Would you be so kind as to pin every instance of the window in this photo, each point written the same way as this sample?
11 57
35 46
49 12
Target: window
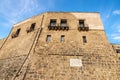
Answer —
48 39
118 51
15 34
84 39
81 23
62 38
53 22
18 31
32 26
63 23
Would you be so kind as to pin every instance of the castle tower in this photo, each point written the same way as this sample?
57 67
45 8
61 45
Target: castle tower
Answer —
59 46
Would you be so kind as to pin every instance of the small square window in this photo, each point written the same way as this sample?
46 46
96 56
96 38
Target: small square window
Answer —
118 51
63 22
62 38
48 39
84 39
53 22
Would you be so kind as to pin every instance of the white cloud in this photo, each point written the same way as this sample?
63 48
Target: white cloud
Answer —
116 12
115 36
115 27
119 30
17 10
13 11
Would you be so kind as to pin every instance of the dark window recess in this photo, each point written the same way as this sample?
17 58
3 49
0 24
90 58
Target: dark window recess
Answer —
81 23
18 31
15 34
55 26
82 26
32 27
62 38
84 39
48 39
119 58
63 23
53 22
118 51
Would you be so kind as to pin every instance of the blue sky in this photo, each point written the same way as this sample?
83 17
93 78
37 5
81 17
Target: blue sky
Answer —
13 11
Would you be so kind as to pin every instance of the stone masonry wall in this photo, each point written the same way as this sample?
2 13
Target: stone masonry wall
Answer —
2 41
15 50
53 60
10 66
21 44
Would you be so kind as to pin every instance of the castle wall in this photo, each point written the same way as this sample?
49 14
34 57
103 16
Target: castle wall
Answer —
93 20
55 60
15 50
20 45
10 66
2 41
52 60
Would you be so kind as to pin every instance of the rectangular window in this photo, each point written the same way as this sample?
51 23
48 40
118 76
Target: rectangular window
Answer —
63 23
62 38
118 51
53 22
32 26
84 39
48 39
81 23
18 31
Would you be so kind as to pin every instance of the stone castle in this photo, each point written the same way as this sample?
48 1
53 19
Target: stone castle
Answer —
59 46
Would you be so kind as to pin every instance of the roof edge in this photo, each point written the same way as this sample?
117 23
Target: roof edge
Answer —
53 12
69 12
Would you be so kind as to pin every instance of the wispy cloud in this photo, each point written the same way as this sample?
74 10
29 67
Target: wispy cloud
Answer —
114 33
116 27
116 12
119 30
115 37
15 11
